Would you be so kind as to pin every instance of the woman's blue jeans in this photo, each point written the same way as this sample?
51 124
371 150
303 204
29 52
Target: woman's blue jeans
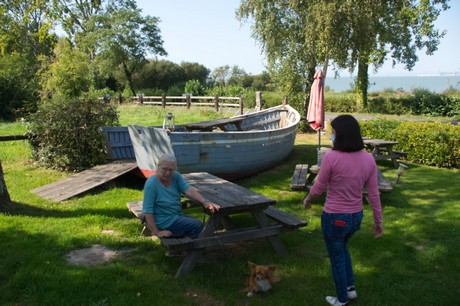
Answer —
185 225
337 230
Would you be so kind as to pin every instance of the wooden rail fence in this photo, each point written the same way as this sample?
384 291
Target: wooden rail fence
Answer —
12 137
189 100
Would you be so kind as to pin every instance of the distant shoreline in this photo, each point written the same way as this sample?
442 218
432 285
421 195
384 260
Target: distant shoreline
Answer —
438 83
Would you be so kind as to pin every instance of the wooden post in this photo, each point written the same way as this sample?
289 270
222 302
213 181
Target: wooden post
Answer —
285 101
4 195
216 102
120 98
141 98
241 105
258 101
188 100
163 100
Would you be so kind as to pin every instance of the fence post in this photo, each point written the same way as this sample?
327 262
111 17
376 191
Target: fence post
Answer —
120 98
285 101
141 98
163 100
241 105
258 101
187 99
216 102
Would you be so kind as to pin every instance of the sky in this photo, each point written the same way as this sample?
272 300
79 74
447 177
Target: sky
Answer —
207 32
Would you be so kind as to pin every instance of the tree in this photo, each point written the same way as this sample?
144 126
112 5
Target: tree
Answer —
221 75
68 74
289 33
195 71
378 30
114 34
159 74
297 36
25 38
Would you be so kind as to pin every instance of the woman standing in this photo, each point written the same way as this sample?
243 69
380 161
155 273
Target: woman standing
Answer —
344 172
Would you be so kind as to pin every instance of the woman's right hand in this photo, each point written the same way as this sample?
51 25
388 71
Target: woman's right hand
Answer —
163 234
306 202
377 228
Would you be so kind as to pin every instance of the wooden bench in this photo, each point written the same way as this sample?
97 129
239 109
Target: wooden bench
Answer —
401 154
289 221
303 177
174 244
299 177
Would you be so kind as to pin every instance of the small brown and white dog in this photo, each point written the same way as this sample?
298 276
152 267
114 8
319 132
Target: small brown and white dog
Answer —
261 278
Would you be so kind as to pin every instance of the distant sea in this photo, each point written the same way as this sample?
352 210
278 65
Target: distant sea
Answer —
407 83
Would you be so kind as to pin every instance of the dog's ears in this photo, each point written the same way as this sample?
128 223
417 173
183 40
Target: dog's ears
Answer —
251 265
272 267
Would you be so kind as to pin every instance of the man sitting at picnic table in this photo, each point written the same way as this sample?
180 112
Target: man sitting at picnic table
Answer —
162 207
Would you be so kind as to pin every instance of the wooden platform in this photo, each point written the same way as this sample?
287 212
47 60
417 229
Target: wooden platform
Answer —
85 180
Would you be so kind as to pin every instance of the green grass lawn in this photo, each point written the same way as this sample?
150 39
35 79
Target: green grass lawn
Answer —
416 262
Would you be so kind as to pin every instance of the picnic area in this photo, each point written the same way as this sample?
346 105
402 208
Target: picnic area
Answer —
42 239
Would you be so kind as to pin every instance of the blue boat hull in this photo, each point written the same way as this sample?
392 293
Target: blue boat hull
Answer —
263 140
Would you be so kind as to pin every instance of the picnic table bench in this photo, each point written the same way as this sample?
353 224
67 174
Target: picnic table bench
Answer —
233 199
303 177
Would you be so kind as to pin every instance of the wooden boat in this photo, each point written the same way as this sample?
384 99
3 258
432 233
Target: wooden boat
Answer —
230 148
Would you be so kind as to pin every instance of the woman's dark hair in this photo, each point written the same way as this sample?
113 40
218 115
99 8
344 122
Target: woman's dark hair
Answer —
347 134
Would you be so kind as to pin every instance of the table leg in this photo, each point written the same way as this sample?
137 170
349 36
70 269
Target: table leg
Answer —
393 159
195 255
274 240
189 262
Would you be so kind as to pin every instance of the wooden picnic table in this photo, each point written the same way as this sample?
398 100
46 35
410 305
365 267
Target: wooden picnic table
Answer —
383 149
233 199
304 176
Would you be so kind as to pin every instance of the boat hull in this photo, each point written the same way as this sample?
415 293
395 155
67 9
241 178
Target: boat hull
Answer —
265 141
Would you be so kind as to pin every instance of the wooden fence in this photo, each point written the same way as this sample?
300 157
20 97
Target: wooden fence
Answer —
189 100
13 137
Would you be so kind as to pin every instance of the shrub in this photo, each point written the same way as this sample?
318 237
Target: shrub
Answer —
340 102
428 143
193 87
64 132
379 128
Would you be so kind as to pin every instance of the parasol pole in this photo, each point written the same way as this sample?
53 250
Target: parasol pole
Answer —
319 139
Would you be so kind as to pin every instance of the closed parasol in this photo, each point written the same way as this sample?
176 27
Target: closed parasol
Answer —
315 115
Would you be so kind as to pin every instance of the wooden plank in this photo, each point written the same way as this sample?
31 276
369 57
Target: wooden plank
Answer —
13 137
383 184
136 209
299 177
85 180
288 220
210 124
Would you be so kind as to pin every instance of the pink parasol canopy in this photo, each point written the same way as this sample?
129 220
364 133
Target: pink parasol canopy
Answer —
315 115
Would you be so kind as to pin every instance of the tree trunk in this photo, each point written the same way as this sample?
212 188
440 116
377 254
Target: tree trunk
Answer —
4 195
362 83
129 78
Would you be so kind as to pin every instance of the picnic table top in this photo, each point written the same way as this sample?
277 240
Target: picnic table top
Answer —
230 196
379 142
